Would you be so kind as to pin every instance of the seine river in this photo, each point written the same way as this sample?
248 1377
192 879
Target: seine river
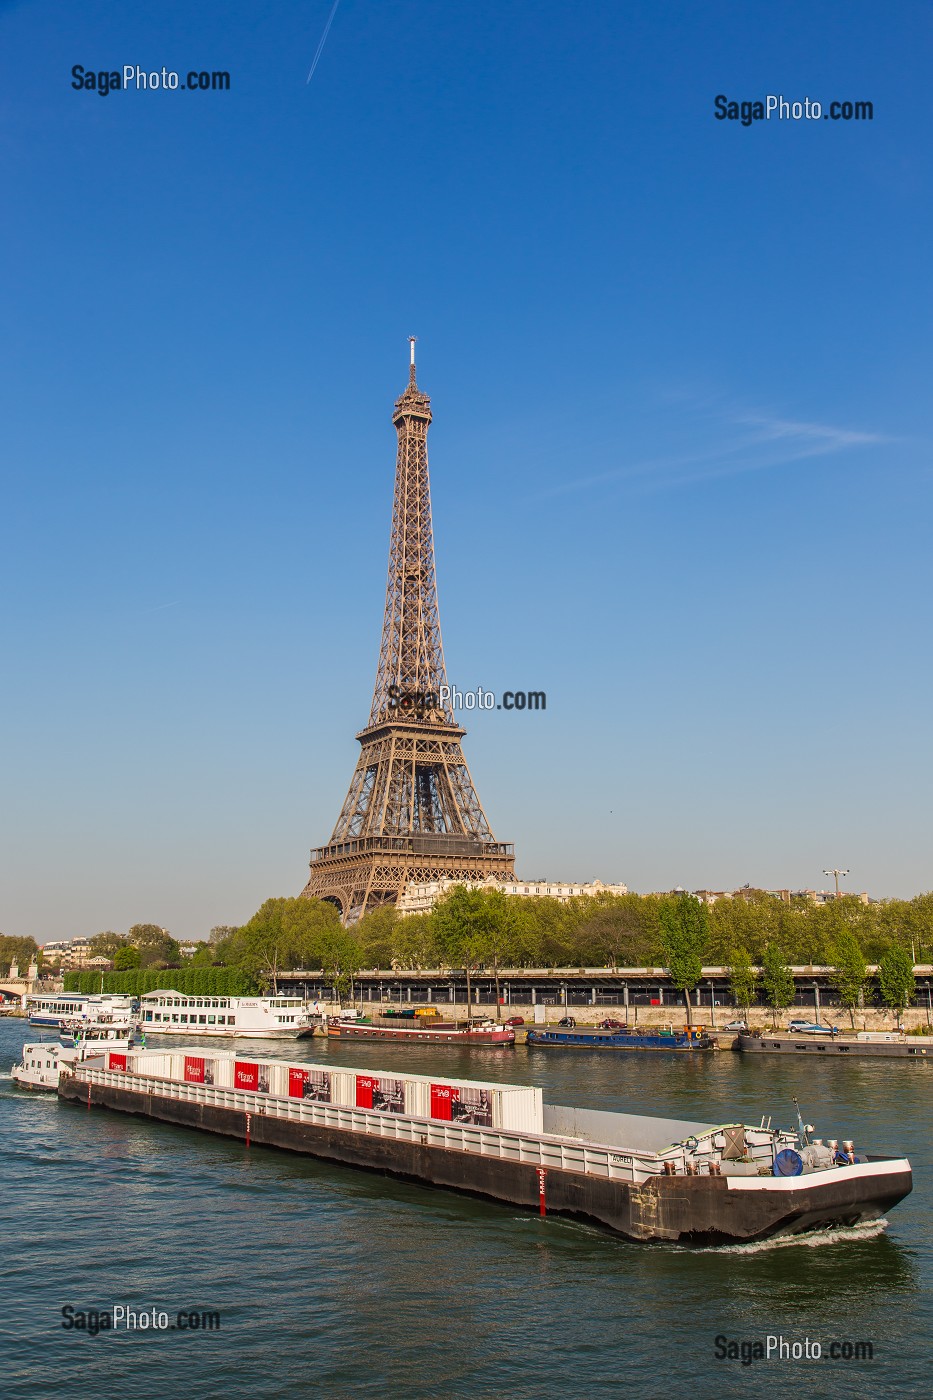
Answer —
336 1282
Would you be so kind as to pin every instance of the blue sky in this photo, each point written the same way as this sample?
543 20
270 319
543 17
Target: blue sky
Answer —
680 373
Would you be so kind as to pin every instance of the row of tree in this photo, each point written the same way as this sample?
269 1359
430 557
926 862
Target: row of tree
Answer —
191 981
485 929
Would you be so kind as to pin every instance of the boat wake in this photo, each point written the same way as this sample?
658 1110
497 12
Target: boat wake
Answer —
836 1234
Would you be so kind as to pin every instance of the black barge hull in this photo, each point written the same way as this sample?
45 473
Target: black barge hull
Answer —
702 1210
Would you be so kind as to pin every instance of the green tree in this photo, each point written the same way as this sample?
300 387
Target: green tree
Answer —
107 945
851 971
282 935
21 951
472 927
375 933
743 980
414 944
219 932
204 955
896 979
777 978
684 938
341 959
157 947
611 931
125 959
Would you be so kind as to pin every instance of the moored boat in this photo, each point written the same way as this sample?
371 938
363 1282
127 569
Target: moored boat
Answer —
643 1178
619 1038
872 1044
167 1012
52 1008
423 1030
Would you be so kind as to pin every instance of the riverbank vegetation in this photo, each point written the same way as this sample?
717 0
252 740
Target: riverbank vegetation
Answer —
486 930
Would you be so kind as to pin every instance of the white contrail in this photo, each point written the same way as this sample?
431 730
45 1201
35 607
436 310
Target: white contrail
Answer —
320 47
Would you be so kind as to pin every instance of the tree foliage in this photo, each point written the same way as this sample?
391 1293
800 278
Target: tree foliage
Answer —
684 938
21 951
157 947
896 978
851 971
201 981
777 978
743 980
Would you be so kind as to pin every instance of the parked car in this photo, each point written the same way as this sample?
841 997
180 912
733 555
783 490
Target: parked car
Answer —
735 1026
609 1025
566 1021
515 1021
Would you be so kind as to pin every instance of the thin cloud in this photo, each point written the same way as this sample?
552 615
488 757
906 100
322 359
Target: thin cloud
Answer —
747 442
819 436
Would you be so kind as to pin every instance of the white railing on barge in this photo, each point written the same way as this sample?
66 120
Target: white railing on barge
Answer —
537 1150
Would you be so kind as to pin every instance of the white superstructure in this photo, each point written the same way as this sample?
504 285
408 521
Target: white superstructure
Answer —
43 1060
167 1012
52 1008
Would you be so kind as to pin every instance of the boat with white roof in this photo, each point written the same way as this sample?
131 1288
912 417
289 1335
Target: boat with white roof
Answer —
52 1008
167 1012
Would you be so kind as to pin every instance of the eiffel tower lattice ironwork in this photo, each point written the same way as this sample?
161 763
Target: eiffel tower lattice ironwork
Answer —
412 812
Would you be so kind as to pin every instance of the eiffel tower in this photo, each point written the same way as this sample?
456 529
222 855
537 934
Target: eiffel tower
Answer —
412 812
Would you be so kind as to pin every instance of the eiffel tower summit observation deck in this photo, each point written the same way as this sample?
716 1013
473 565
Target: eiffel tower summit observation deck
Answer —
412 812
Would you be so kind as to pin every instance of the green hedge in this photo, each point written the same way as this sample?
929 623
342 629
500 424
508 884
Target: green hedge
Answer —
193 981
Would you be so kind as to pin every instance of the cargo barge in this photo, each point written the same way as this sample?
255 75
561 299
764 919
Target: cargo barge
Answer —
875 1044
401 1030
592 1038
647 1179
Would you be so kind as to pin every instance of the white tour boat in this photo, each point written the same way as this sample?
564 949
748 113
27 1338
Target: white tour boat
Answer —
167 1012
52 1008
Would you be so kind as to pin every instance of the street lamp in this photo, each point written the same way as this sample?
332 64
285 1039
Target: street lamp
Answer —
836 875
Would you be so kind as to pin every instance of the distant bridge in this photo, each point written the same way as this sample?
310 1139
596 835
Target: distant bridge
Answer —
26 986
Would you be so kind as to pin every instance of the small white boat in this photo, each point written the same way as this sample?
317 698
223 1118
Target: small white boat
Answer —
39 1066
43 1060
106 1031
167 1012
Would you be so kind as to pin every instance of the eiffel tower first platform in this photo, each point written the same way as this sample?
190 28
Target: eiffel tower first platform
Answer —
412 812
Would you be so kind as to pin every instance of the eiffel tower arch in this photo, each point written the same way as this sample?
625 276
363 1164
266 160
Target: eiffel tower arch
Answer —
411 812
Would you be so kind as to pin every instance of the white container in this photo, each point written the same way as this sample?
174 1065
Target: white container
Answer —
511 1107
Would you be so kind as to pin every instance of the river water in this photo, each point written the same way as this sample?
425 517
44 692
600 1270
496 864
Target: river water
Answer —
340 1282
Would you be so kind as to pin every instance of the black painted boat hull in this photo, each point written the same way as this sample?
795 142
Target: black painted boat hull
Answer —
702 1210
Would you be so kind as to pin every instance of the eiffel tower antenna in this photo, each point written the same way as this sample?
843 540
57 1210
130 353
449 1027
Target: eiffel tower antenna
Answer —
412 812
